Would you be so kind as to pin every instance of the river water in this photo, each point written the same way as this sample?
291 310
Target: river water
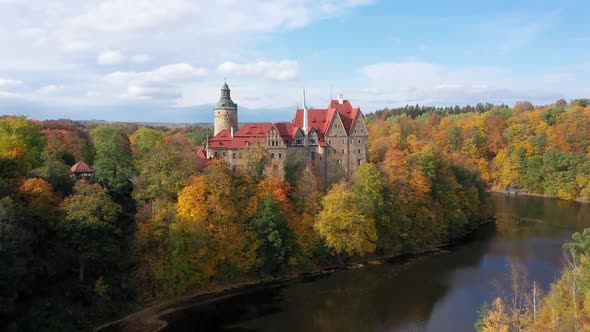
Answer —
439 292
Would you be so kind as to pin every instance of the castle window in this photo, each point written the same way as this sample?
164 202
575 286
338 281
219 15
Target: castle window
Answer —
342 151
359 141
233 155
272 155
358 161
359 151
280 155
224 153
342 141
240 155
215 154
329 141
339 161
320 157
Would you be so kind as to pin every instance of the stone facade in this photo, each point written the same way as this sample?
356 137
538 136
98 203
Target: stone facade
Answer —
332 142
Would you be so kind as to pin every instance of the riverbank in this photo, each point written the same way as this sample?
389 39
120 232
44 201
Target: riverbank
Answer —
522 192
150 319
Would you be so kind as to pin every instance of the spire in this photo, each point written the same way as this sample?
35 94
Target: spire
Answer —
305 117
225 101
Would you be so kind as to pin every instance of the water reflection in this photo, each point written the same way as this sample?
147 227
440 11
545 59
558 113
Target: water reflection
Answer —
435 293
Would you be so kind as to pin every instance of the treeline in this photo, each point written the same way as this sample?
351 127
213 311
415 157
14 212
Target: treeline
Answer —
414 111
541 150
66 246
565 307
157 221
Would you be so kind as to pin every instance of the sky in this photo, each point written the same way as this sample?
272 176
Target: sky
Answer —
165 60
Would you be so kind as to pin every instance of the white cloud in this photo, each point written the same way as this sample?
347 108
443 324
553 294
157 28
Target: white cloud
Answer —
48 90
163 83
122 16
192 35
7 83
111 58
141 58
274 70
163 74
411 82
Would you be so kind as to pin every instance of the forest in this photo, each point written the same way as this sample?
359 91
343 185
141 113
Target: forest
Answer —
538 150
157 222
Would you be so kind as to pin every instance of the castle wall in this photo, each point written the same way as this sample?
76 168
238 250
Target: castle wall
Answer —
359 139
337 152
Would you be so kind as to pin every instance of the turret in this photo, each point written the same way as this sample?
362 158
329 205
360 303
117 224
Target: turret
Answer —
226 112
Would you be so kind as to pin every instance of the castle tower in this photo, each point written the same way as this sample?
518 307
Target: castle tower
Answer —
226 112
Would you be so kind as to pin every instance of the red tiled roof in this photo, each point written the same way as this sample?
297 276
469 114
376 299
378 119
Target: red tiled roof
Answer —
346 111
260 129
202 152
286 129
81 167
318 119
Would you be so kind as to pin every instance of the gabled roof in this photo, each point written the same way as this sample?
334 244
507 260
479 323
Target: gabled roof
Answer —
256 129
318 120
81 167
286 129
347 113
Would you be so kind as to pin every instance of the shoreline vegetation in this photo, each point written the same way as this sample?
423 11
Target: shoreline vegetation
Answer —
150 318
565 306
157 222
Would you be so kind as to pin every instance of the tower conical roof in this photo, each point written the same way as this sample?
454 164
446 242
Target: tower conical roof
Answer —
225 102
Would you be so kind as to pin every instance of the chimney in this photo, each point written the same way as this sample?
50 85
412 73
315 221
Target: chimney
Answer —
340 99
232 131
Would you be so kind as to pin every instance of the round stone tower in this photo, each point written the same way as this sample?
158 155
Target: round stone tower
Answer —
226 112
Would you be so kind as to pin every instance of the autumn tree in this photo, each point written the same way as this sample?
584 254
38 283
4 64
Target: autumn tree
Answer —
343 226
113 164
371 199
207 241
21 139
275 236
90 215
162 168
309 249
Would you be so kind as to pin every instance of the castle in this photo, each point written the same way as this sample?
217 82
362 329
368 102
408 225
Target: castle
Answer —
331 141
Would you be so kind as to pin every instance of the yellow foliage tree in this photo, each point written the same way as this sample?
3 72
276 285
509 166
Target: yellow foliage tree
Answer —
342 225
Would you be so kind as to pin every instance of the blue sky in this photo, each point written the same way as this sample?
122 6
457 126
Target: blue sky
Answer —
165 60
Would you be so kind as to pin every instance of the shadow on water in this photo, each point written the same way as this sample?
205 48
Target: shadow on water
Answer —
398 292
437 292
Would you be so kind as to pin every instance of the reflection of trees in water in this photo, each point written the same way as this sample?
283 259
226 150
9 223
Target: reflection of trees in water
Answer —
220 315
522 217
386 297
398 296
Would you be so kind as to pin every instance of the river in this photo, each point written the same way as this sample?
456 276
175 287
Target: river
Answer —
438 292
